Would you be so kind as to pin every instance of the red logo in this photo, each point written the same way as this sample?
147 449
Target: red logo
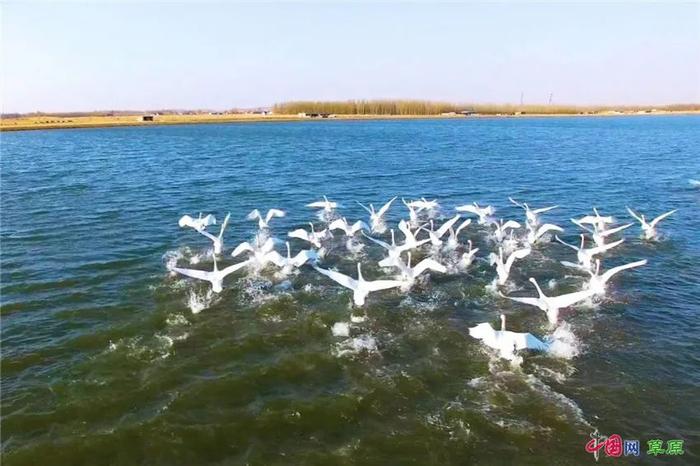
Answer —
612 445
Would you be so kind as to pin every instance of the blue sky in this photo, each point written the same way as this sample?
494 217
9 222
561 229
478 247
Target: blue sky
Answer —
139 55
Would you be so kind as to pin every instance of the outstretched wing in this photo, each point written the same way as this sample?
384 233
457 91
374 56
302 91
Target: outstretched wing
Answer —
254 215
342 279
186 221
357 226
339 224
612 231
544 209
528 341
245 246
463 225
378 285
469 208
369 211
300 234
519 254
661 217
569 299
548 227
444 228
605 247
232 268
635 215
530 301
194 273
224 225
381 243
609 273
426 264
304 256
510 224
276 258
208 220
513 201
385 207
575 248
274 213
580 225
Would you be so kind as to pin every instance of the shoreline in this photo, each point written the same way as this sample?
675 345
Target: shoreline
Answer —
50 122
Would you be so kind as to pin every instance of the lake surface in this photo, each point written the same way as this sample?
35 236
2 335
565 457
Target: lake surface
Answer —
104 362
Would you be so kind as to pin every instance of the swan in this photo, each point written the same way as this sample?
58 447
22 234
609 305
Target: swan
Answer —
596 220
649 228
360 287
261 254
502 229
552 304
198 224
531 215
215 277
424 204
217 241
412 212
597 282
263 223
314 237
376 216
410 237
482 212
435 235
503 268
468 257
535 233
598 234
585 256
350 230
325 204
453 239
506 342
287 264
409 274
394 250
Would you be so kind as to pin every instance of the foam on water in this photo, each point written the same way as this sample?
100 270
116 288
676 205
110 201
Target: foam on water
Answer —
563 343
197 301
341 329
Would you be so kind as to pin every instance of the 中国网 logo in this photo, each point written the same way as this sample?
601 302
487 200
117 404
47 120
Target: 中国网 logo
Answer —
615 446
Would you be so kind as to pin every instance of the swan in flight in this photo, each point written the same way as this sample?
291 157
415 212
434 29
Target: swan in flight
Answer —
217 241
314 237
468 257
289 263
598 221
325 204
598 234
412 212
482 212
393 250
503 268
597 282
424 204
263 222
198 224
409 274
585 256
260 254
436 235
376 217
410 240
531 215
453 239
360 287
350 230
506 342
215 277
502 229
649 228
552 304
535 233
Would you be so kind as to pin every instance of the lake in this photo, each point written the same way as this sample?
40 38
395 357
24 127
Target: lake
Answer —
105 362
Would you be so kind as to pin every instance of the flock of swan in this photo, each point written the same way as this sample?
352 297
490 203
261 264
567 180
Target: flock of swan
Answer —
423 237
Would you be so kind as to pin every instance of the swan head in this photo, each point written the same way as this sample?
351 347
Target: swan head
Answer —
503 322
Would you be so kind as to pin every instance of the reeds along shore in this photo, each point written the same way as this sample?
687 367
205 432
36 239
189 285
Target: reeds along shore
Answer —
423 107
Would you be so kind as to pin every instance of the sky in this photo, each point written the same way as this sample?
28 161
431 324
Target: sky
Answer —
82 56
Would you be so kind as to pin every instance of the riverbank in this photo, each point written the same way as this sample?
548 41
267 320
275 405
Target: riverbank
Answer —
25 123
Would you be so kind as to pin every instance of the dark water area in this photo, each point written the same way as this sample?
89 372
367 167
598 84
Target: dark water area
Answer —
105 362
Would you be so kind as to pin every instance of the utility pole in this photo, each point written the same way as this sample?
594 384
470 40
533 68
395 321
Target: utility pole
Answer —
522 94
550 98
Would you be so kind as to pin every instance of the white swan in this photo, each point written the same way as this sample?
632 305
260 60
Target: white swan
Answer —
215 277
597 282
453 239
552 304
261 254
424 204
503 268
325 204
649 228
436 235
506 342
501 230
314 237
598 234
410 240
535 233
468 257
263 222
376 217
198 224
289 263
585 256
482 212
531 215
349 230
360 287
412 212
393 250
409 274
217 241
596 220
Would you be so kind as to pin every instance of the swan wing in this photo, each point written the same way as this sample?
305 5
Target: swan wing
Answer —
357 226
575 248
276 258
444 228
232 268
519 254
609 273
194 273
186 221
612 231
635 215
245 246
207 220
569 299
426 264
510 224
463 225
528 341
531 301
342 279
339 224
303 257
513 201
300 234
547 227
600 249
661 217
385 207
254 215
378 285
208 235
377 241
468 208
544 209
369 211
224 225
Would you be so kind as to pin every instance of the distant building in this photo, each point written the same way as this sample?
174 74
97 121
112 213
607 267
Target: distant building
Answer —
147 117
467 112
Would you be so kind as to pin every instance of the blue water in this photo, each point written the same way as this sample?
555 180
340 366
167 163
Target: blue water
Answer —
103 361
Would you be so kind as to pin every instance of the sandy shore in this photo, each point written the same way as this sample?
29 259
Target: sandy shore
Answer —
53 122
